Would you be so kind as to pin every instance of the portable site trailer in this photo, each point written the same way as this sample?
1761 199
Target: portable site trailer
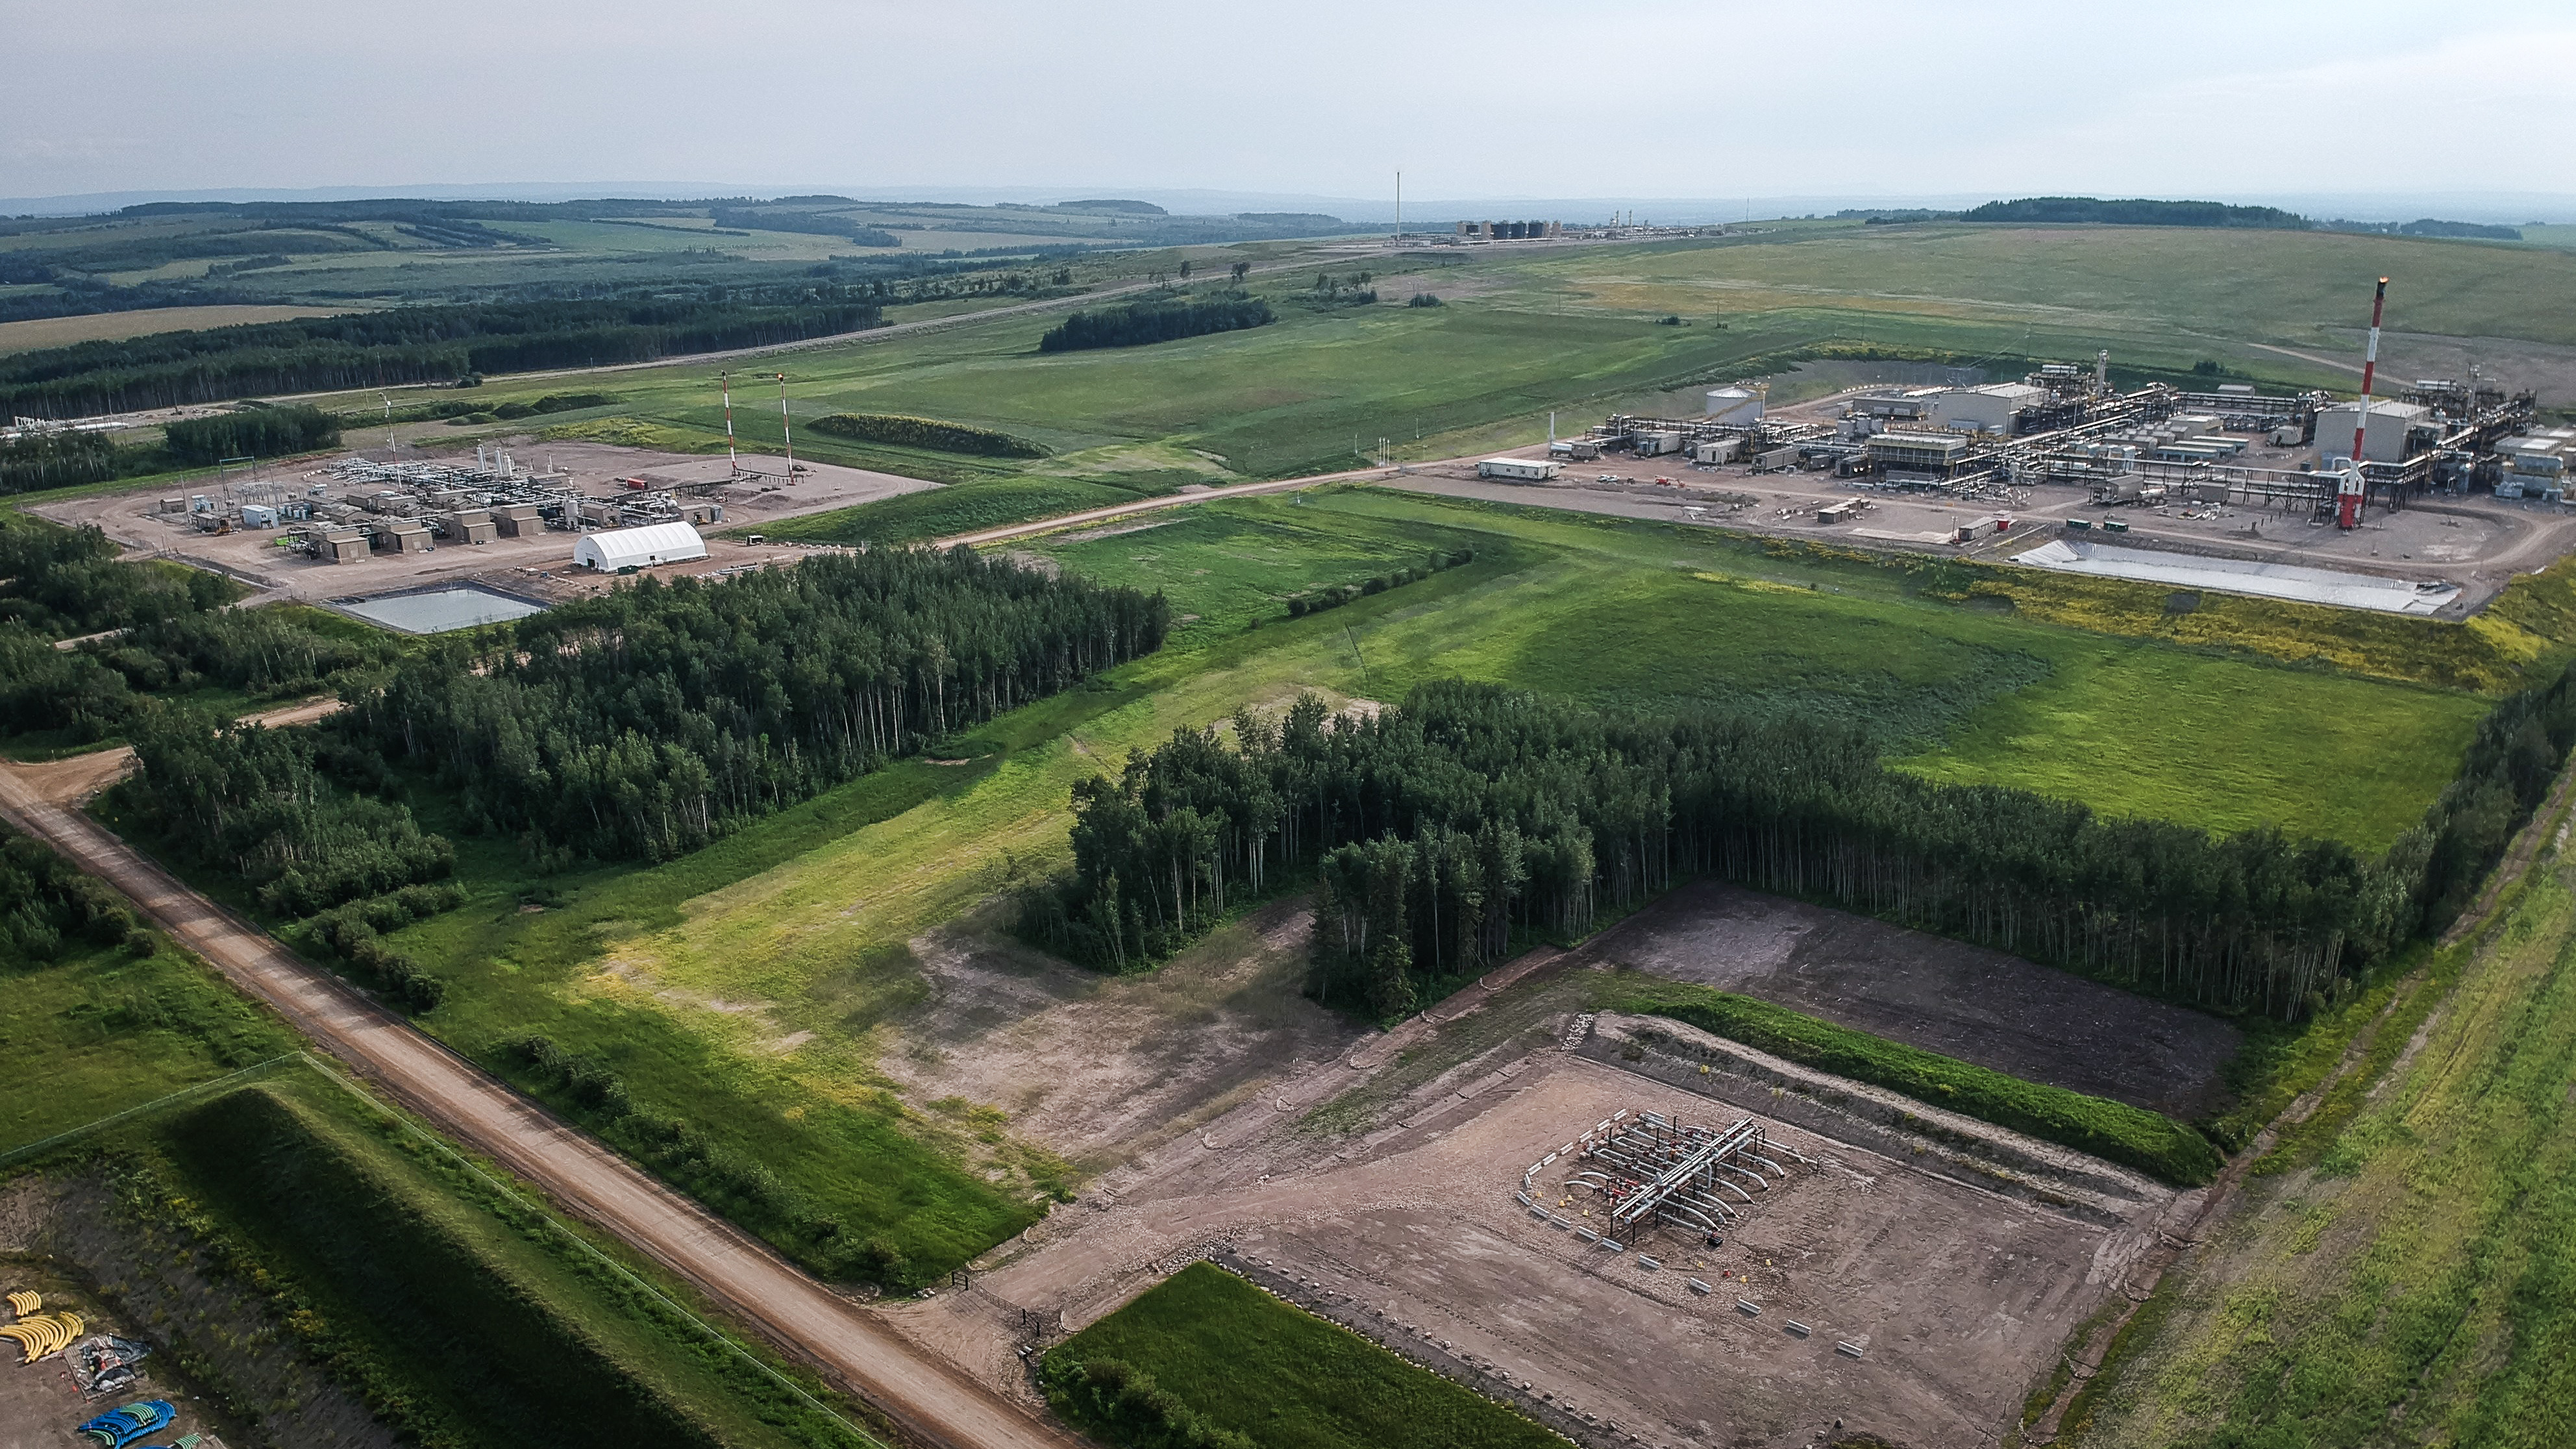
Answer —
1518 470
1842 512
1723 450
1574 450
1655 445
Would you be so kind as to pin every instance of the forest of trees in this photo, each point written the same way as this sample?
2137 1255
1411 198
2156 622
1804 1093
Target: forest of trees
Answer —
808 223
1138 323
57 582
1439 829
60 460
262 804
47 903
648 721
406 345
252 432
2136 213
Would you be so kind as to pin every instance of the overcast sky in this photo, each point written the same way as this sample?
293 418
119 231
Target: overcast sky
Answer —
1691 98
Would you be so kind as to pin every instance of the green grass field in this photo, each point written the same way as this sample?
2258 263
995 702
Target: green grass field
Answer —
2402 1269
753 987
1285 1378
100 1031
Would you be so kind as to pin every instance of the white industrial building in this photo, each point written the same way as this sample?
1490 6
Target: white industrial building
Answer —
2384 442
1988 409
1737 405
633 548
1519 470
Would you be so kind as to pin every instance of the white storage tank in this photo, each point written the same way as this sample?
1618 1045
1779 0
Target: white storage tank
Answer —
1738 405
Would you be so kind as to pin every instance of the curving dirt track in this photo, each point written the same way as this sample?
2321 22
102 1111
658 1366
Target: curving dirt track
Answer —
925 1396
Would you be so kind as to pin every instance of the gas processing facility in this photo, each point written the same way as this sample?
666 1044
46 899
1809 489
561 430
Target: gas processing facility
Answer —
352 508
2067 425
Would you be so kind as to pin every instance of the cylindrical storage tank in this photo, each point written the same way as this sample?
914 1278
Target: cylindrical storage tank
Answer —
1740 406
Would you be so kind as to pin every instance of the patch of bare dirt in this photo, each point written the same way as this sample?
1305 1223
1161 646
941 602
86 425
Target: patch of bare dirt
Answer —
1093 1065
1979 1005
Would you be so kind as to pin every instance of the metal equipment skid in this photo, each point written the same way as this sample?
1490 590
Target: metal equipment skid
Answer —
1651 1169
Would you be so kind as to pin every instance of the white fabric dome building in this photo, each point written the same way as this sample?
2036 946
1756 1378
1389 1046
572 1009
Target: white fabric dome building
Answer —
623 548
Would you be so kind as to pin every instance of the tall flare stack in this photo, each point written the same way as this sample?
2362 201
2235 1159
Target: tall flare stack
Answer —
2348 493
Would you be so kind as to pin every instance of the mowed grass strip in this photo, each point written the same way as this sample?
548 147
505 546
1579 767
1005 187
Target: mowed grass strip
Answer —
1283 1377
2115 1131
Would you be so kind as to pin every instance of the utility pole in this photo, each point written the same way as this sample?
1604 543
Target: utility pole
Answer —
1399 208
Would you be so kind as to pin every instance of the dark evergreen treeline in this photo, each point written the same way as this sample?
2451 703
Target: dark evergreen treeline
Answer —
261 804
807 223
931 433
2138 212
1439 828
46 903
1138 323
402 345
64 581
61 460
252 432
650 720
177 636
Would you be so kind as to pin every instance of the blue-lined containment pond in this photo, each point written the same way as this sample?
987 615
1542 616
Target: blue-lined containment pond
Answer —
438 611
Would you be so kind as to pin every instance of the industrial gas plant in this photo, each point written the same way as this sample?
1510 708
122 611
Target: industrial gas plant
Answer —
2339 459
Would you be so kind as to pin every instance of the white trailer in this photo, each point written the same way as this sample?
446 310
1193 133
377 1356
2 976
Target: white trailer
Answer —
1519 470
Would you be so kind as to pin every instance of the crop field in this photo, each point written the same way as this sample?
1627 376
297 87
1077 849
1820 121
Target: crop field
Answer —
116 326
757 987
1248 1362
2400 1265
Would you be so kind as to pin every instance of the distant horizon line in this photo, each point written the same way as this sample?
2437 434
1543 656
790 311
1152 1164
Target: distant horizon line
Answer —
2495 207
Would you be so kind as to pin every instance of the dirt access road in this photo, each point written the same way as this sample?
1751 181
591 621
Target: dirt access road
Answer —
926 1396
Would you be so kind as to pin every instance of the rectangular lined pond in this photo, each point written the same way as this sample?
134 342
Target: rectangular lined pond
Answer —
2242 576
440 611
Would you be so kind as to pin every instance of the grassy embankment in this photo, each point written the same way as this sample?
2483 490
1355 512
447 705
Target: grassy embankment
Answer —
752 987
2149 1141
1248 1362
456 1311
2399 1270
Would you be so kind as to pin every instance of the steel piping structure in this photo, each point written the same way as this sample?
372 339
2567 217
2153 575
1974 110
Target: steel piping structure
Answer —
1653 1169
